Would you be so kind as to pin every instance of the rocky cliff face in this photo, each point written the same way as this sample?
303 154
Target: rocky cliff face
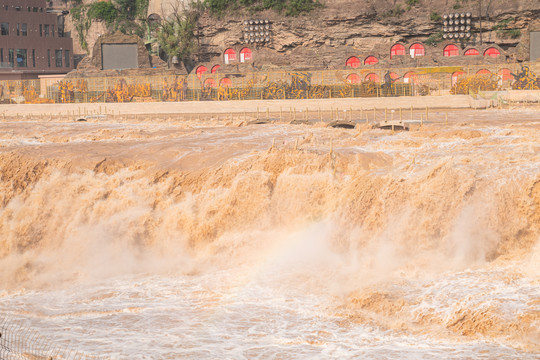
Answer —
326 37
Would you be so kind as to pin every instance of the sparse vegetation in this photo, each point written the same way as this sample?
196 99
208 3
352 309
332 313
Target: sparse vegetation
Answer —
504 31
177 34
397 11
102 10
435 16
122 17
411 3
289 7
434 39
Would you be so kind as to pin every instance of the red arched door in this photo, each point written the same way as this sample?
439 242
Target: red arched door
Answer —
410 78
471 52
417 50
492 52
506 74
210 83
229 55
353 62
215 68
225 82
450 50
397 49
371 60
455 77
353 79
372 77
200 71
245 55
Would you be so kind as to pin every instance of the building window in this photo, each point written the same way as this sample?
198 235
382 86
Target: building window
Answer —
58 57
1 57
24 29
40 30
49 57
417 50
17 8
371 60
215 68
28 9
11 57
35 9
229 55
450 50
66 58
397 49
52 30
21 58
6 7
18 29
5 28
34 57
353 62
46 30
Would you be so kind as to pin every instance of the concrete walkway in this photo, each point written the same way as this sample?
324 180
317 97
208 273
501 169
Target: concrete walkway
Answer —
239 106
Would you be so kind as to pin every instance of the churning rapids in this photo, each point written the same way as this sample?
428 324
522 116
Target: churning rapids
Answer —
168 239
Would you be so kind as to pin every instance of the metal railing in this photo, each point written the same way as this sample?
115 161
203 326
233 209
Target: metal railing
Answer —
18 342
340 83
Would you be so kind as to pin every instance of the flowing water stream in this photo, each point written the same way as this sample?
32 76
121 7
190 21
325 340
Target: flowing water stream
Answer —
165 240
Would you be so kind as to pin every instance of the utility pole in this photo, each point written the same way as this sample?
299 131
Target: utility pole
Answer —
480 17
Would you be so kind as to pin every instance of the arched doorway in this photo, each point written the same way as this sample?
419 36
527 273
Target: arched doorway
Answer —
200 71
410 78
353 79
215 68
455 77
245 55
505 74
372 77
483 72
471 52
229 55
225 82
417 50
353 62
397 49
492 52
451 50
371 60
210 83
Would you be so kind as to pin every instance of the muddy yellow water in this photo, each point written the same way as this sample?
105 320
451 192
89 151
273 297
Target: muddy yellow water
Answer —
214 239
